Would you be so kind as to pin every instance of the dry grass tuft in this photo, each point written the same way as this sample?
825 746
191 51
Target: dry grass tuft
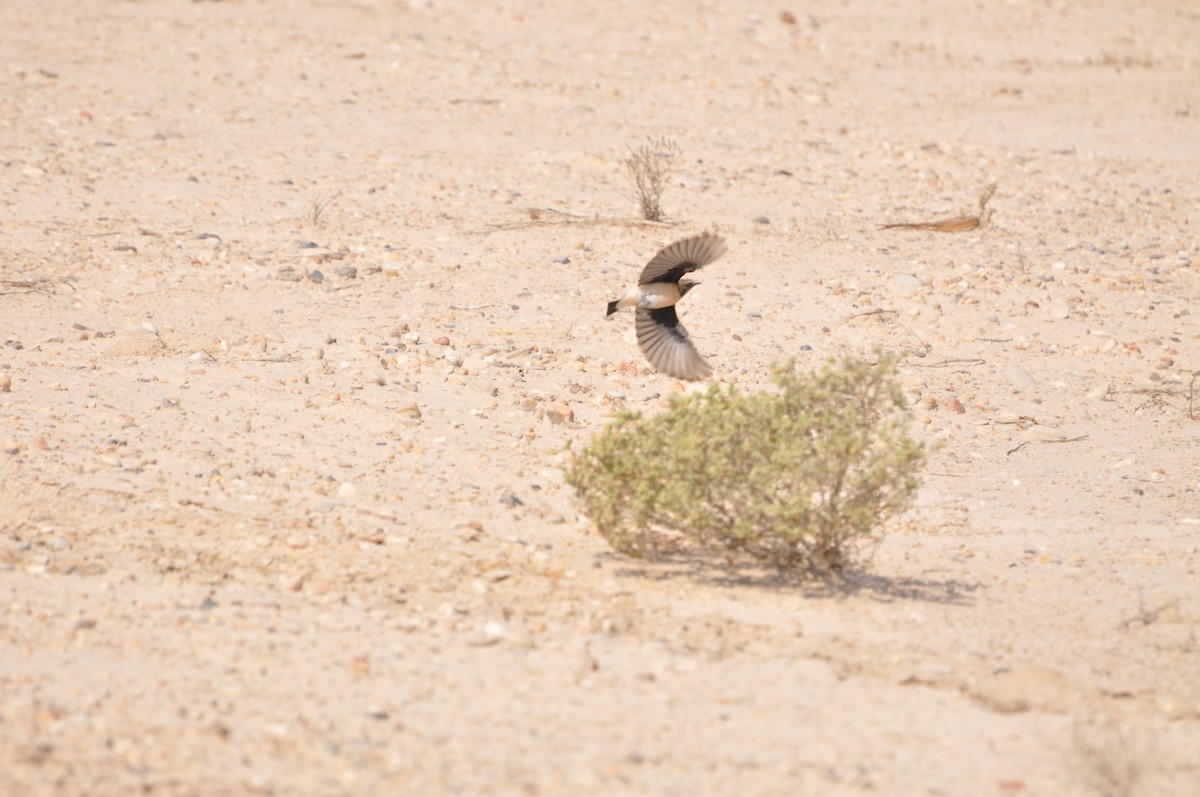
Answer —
648 168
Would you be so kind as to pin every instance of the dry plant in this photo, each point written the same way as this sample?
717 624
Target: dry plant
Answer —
1108 762
956 224
648 168
315 210
798 478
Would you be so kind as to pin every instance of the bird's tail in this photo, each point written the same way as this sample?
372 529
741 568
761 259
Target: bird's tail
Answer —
612 308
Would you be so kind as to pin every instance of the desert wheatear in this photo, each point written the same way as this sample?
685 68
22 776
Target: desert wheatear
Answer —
663 339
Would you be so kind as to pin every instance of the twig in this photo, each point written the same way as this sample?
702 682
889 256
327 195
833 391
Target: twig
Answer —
1144 616
956 224
581 220
1192 395
32 286
951 362
1027 442
876 311
94 235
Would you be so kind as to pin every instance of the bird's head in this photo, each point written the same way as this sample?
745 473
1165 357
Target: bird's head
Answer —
685 286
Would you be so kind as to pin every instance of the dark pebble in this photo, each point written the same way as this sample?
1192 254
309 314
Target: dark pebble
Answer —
761 220
307 245
316 276
512 500
562 260
349 272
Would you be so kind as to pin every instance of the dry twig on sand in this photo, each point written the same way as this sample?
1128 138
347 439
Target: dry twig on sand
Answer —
39 285
956 224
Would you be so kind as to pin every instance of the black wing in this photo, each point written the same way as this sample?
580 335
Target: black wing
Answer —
667 346
682 257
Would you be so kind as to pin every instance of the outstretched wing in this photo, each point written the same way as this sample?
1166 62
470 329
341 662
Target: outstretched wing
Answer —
681 257
667 346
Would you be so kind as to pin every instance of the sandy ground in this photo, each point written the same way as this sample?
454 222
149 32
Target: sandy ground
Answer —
259 533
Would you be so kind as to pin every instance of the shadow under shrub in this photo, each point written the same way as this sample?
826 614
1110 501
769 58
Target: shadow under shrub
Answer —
797 478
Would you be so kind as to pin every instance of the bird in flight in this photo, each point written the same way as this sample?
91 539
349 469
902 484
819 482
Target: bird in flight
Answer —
663 339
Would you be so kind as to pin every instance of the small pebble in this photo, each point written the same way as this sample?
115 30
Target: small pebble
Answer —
494 630
512 500
1018 376
560 412
761 220
5 383
349 272
1039 432
562 260
954 405
315 276
453 357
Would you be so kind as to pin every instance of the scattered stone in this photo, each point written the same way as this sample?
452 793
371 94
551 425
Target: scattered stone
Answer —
315 276
954 405
1043 433
761 220
442 341
1100 391
560 412
1018 376
453 357
411 410
494 631
291 582
346 490
562 260
5 383
511 500
349 272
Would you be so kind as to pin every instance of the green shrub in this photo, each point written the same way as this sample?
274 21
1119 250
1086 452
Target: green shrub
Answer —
797 478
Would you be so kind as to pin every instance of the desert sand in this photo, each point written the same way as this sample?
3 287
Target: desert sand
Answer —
302 304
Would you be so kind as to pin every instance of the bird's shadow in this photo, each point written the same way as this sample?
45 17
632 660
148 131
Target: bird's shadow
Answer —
714 571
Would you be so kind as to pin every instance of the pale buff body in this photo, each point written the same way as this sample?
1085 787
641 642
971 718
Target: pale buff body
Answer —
651 296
